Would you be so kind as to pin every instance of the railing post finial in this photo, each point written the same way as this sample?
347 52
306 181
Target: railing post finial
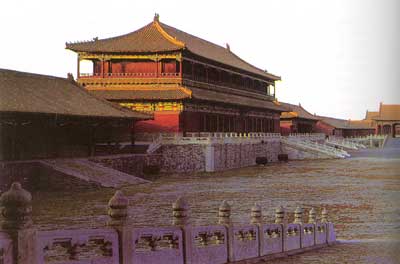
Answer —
298 215
312 216
16 208
118 209
280 215
224 213
180 212
324 216
256 214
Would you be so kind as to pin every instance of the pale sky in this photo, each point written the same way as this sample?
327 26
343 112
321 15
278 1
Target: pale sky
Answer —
337 58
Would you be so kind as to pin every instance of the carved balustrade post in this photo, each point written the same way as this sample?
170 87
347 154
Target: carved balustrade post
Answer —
117 209
312 216
180 212
256 214
224 218
16 210
181 218
280 215
224 213
324 216
298 216
118 216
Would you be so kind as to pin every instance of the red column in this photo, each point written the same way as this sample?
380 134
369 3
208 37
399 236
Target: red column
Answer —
180 68
102 68
78 68
158 68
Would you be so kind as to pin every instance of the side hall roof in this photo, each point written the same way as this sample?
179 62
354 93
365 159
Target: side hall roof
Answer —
371 114
347 124
22 92
297 111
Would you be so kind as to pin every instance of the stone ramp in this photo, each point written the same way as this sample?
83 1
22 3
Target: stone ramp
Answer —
92 172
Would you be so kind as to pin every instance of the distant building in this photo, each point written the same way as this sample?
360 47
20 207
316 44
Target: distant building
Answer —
297 120
344 128
46 117
188 83
386 120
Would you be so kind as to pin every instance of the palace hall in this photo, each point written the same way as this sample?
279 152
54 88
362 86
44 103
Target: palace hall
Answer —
187 83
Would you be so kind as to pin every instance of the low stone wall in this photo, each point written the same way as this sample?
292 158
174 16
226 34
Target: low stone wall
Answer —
219 157
216 157
182 158
231 156
129 163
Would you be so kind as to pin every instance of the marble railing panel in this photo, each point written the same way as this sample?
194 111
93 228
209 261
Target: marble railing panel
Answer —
307 235
5 249
291 238
81 246
320 233
208 245
271 239
244 242
331 235
156 245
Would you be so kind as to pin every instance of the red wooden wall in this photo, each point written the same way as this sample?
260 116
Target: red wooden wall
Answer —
163 122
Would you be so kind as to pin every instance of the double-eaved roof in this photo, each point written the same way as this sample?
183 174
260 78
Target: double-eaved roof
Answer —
296 111
179 92
159 37
22 92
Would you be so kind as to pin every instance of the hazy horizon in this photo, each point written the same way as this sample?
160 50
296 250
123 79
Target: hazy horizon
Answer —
337 58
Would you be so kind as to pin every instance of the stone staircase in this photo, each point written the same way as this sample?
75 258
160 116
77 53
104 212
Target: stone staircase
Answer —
154 146
344 144
91 172
315 147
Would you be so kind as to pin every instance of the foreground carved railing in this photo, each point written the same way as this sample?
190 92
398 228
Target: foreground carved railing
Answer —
181 243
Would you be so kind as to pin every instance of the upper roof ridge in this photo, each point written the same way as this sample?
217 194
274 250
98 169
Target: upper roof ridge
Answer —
167 36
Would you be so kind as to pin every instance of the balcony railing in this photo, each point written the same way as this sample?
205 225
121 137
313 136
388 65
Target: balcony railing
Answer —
129 75
203 82
152 77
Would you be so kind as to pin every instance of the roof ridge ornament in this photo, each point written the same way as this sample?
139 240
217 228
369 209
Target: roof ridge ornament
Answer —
156 17
228 47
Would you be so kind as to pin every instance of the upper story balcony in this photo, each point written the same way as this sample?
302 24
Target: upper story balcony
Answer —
186 73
